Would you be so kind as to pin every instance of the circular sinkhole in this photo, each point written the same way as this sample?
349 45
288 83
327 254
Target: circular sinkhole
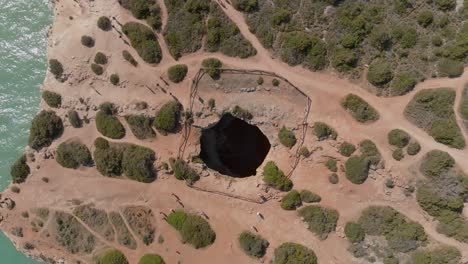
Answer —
233 147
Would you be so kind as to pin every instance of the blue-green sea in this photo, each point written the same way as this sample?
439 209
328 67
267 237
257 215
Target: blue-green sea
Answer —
23 63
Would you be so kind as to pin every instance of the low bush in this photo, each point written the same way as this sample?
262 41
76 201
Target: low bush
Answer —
304 152
398 154
109 125
294 253
177 73
331 165
128 57
359 109
52 99
241 113
275 82
310 197
87 41
333 179
291 201
141 126
101 143
211 103
354 232
442 255
253 245
193 229
435 163
151 259
370 152
425 18
324 131
74 119
143 41
104 23
402 84
320 220
448 133
275 177
114 79
73 154
347 149
344 60
464 102
182 171
413 148
137 163
97 69
56 68
167 118
450 68
100 58
380 73
45 127
399 138
299 47
212 67
287 137
357 169
20 170
112 256
446 5
108 159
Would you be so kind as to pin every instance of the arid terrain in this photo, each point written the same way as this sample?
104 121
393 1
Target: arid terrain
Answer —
230 205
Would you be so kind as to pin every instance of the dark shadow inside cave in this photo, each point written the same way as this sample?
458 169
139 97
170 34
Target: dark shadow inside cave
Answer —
233 147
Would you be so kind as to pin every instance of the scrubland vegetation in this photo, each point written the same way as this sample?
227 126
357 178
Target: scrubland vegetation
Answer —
104 23
112 256
151 259
275 177
402 42
320 220
20 170
177 72
141 126
73 154
74 119
71 235
357 167
193 24
56 68
464 106
144 9
359 109
287 137
123 235
96 219
323 131
347 149
144 41
107 123
182 171
45 127
193 229
140 219
213 67
432 110
294 253
253 245
167 118
52 99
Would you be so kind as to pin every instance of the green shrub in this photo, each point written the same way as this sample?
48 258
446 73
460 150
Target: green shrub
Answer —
321 221
100 58
302 48
56 68
304 152
87 41
446 5
45 127
114 79
291 201
52 99
440 255
331 165
260 80
104 23
380 39
464 103
275 177
436 162
137 163
398 154
370 151
310 197
74 119
450 68
287 137
141 126
333 179
354 232
108 159
245 5
347 149
294 253
177 72
425 18
344 60
241 113
101 143
151 259
167 118
357 169
413 148
380 73
128 57
448 133
211 103
324 131
182 171
143 41
359 109
402 84
20 170
390 260
144 9
193 229
212 67
275 82
253 245
112 256
399 138
73 154
97 69
109 125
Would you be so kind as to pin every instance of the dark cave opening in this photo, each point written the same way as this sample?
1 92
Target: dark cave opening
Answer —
233 147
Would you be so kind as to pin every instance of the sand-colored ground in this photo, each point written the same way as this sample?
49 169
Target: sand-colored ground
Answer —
228 216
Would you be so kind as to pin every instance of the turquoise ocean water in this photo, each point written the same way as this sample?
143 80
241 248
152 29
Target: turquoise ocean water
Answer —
23 63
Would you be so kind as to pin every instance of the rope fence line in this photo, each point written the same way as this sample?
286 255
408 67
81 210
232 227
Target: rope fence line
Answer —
187 126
